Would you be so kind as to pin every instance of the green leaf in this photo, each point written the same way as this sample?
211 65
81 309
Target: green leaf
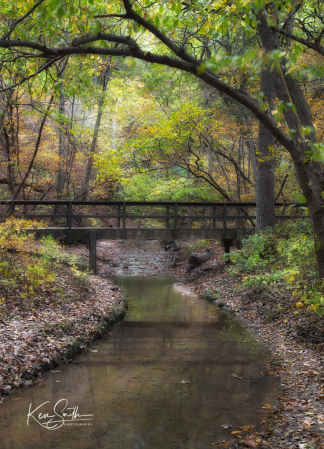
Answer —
298 50
60 12
178 8
201 68
301 199
260 97
293 58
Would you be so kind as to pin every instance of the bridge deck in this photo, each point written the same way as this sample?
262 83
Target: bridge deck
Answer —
80 234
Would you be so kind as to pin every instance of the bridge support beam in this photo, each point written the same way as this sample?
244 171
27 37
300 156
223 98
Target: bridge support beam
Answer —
240 235
93 252
227 243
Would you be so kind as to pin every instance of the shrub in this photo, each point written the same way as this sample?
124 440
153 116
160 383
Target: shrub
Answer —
282 255
27 265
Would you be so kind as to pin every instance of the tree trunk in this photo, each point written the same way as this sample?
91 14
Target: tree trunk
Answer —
265 185
195 261
309 173
85 186
30 166
61 175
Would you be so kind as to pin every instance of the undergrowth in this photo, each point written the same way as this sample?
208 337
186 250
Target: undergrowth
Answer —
198 245
283 256
26 265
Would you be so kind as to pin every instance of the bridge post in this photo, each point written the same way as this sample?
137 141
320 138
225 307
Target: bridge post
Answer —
118 219
214 219
239 237
175 226
189 219
224 220
69 219
124 221
225 241
12 207
167 220
93 252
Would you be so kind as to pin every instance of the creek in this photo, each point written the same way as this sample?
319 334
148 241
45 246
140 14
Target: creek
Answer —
175 373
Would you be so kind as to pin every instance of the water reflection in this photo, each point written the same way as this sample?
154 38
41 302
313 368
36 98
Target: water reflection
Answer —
163 380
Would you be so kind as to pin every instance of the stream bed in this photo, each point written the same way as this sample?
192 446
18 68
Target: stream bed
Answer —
176 373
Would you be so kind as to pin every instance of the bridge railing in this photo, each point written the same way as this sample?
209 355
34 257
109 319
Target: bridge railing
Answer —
162 214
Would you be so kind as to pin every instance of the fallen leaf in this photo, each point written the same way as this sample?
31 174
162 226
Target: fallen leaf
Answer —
237 377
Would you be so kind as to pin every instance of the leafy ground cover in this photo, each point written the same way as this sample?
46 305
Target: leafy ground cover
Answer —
286 316
50 306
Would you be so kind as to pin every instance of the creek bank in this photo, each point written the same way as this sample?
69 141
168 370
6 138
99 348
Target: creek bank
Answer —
40 333
297 419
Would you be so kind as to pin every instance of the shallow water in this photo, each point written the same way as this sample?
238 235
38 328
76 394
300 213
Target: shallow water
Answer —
170 376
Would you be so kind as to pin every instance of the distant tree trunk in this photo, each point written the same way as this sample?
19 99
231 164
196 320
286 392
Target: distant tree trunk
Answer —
5 139
210 172
188 177
31 163
63 147
9 140
252 156
71 151
85 186
11 178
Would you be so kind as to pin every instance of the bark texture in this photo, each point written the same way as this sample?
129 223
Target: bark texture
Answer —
195 261
265 186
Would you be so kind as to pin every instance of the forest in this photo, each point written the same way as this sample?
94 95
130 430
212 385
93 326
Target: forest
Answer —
165 100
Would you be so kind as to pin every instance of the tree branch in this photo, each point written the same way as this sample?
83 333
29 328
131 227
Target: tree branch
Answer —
104 16
313 45
183 62
283 184
16 22
26 78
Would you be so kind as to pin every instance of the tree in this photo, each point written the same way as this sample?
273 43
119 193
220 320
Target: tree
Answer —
180 31
105 79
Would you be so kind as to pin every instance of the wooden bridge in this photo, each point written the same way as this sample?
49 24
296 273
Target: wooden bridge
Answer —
71 220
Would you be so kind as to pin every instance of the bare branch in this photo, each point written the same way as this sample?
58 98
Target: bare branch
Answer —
104 16
26 78
313 45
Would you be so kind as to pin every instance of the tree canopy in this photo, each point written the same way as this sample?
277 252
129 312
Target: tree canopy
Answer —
230 47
